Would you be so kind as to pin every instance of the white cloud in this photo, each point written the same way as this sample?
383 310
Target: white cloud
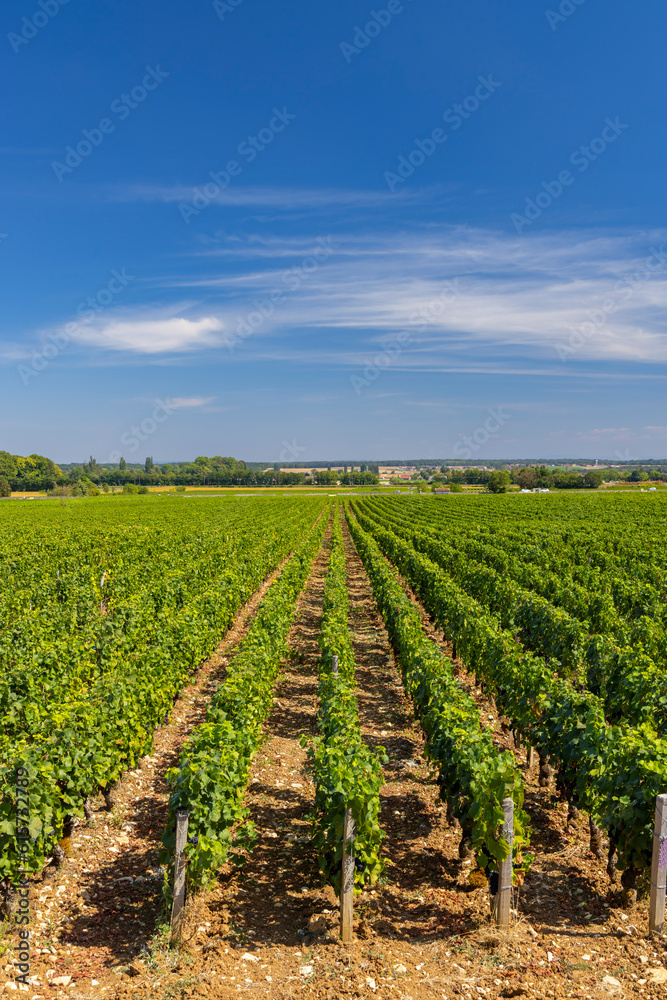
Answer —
610 431
151 336
182 403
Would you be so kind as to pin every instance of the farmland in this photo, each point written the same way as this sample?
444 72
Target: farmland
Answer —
163 656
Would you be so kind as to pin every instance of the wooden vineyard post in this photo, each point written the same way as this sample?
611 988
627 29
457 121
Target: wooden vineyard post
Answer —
531 757
182 816
504 901
347 879
334 665
656 912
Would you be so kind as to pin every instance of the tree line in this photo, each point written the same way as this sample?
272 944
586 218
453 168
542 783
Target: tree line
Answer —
533 477
37 474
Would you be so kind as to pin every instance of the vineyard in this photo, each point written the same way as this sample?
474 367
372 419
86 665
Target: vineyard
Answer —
312 719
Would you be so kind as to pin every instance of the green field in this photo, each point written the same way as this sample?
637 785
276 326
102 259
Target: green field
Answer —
556 602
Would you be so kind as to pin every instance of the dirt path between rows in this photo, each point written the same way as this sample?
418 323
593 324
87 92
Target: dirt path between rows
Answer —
263 910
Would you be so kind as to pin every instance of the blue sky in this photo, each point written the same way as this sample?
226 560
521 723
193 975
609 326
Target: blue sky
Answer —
342 230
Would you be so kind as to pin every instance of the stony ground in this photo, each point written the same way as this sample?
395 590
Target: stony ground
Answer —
271 930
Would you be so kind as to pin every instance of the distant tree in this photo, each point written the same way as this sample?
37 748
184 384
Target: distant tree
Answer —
592 480
5 488
88 487
148 465
526 478
637 476
122 465
568 481
456 488
325 478
498 482
8 465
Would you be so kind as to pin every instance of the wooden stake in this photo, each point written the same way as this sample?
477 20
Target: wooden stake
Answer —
347 879
504 903
531 757
334 664
656 913
182 817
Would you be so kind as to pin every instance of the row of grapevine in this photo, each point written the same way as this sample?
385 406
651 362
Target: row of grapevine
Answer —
565 567
593 598
632 686
348 774
473 776
126 661
212 775
583 536
614 772
75 605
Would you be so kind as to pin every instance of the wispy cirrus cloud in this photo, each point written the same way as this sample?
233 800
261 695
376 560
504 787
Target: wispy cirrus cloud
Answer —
190 402
264 197
151 336
516 299
600 432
